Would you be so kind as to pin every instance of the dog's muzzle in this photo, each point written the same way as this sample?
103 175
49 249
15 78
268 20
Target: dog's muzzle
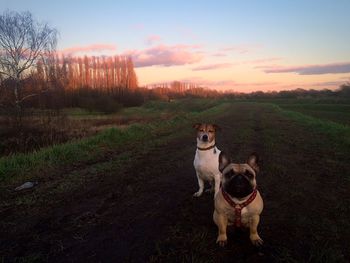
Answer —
205 138
238 186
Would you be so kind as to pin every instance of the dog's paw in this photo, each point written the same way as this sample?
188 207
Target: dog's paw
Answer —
198 194
222 240
222 243
215 195
256 240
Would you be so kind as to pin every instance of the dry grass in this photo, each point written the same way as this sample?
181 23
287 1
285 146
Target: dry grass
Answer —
42 129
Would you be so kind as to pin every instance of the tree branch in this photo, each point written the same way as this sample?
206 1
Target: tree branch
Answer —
33 95
5 73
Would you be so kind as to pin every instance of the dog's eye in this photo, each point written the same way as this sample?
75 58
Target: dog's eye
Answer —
229 174
248 174
201 130
211 131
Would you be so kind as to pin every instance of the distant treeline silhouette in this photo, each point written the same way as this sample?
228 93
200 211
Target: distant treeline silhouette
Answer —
178 89
343 92
109 83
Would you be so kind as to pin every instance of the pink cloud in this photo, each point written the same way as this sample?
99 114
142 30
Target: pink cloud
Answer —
234 84
335 83
333 68
152 39
219 54
89 48
241 49
188 46
163 55
217 83
267 66
263 60
212 66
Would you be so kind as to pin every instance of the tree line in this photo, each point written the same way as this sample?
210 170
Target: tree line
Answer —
59 81
112 74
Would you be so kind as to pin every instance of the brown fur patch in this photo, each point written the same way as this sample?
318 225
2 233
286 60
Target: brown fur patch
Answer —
209 129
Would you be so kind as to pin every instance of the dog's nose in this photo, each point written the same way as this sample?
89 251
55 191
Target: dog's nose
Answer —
205 138
239 177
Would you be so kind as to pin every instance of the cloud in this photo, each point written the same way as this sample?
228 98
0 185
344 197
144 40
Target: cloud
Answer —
241 49
335 83
262 60
219 54
334 68
212 66
152 39
218 83
163 55
234 84
188 46
89 48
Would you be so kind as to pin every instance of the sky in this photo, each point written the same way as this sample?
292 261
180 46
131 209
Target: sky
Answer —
234 45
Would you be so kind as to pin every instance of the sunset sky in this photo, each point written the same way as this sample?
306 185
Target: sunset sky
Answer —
239 45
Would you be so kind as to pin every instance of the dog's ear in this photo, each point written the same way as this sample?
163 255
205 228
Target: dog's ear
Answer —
253 161
224 160
196 125
217 127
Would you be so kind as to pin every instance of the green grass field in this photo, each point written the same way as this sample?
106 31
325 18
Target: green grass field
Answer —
339 113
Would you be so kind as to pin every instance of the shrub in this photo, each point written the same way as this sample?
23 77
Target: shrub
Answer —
102 103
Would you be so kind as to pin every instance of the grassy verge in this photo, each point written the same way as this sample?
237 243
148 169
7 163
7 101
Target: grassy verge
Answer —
27 166
339 113
337 132
317 149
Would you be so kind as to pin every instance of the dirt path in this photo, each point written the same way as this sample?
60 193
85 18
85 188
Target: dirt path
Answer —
151 215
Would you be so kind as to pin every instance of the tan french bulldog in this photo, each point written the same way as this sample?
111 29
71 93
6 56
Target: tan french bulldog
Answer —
238 202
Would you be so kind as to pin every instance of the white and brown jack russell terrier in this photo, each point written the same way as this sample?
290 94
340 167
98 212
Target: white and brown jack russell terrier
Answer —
206 160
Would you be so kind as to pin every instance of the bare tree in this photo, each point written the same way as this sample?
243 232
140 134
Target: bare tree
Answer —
117 72
23 42
87 71
94 72
123 73
131 75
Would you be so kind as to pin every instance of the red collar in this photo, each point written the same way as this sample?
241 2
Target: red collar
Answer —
238 207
